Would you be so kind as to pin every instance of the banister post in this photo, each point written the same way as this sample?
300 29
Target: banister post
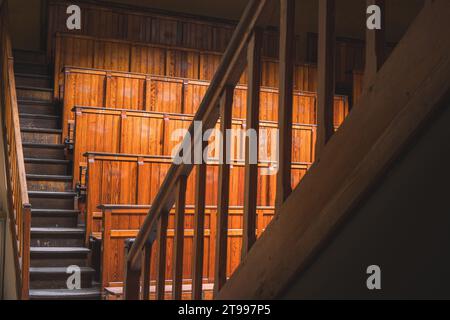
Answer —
375 46
251 147
326 79
131 286
199 230
286 91
178 241
220 265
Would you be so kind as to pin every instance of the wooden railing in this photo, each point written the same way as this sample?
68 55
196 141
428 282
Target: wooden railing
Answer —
18 204
244 50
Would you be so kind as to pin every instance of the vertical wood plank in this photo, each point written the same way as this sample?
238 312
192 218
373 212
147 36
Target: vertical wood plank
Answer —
375 46
161 256
286 90
132 277
326 65
178 241
147 254
251 160
220 264
199 231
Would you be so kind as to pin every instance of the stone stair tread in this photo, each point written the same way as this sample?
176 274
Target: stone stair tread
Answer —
57 230
32 75
60 250
38 116
40 130
56 211
52 194
53 270
64 293
21 87
41 102
46 161
52 177
43 145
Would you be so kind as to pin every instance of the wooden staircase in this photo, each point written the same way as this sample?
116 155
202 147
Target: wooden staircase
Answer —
57 239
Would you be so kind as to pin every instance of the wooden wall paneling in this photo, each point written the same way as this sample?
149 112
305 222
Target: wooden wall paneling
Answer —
197 36
112 55
194 91
126 92
148 59
139 27
165 95
165 31
81 89
175 129
182 63
270 75
304 108
94 131
305 77
208 65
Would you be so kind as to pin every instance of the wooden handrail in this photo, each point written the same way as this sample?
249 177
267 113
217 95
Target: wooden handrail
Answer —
18 202
230 69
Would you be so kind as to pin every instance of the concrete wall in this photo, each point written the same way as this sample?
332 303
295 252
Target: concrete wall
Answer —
403 227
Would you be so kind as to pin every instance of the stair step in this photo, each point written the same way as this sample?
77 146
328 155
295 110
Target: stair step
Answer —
47 182
56 277
31 67
39 107
34 120
41 135
46 166
30 56
58 256
52 194
62 294
52 199
54 218
43 150
33 80
34 93
57 231
51 177
57 237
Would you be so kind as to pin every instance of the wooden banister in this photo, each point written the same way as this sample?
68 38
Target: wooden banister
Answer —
18 203
227 76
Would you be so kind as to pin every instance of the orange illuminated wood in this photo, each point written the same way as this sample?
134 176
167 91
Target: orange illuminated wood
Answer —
286 91
326 65
220 275
251 142
178 243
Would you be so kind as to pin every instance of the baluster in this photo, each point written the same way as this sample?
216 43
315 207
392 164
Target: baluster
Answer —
199 231
286 91
326 64
147 254
220 265
161 235
178 241
132 276
375 46
251 147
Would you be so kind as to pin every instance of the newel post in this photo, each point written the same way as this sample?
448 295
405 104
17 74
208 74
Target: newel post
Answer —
131 287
